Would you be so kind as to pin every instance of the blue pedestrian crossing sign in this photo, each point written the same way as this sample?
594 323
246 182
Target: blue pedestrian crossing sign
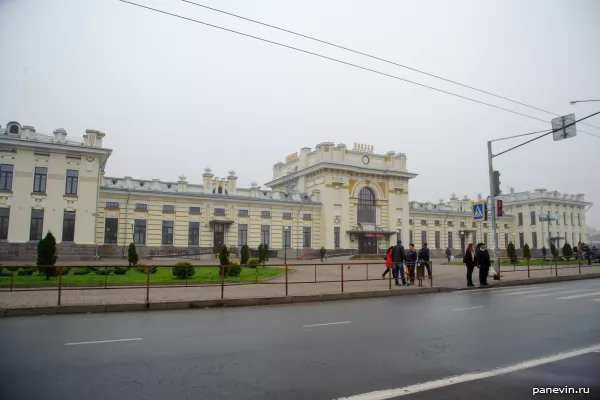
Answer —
479 211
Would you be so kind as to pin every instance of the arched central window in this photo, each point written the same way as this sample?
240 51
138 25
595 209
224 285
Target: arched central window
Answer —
366 206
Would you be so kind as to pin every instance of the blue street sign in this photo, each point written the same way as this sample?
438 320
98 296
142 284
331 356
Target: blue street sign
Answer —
479 211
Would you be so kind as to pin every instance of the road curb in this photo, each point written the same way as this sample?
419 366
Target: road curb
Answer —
534 281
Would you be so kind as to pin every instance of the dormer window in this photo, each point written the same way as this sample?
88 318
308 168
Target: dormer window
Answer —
220 190
14 129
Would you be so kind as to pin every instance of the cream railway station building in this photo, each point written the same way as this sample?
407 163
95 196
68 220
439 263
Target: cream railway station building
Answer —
347 200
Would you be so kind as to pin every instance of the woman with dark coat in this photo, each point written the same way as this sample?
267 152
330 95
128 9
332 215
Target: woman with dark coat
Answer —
470 260
388 262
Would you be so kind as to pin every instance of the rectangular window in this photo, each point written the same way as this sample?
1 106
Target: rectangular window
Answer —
451 240
438 240
194 210
265 234
578 219
410 221
423 237
141 206
485 225
265 213
564 218
534 240
520 219
474 225
219 211
572 223
423 222
112 204
410 236
167 233
287 236
242 234
243 213
505 226
194 234
37 225
306 237
521 240
4 219
68 226
6 176
336 237
485 236
532 217
450 223
111 229
506 240
72 182
139 231
307 216
39 179
463 224
168 208
287 215
437 222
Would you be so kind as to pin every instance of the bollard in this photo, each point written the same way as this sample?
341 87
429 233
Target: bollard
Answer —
148 286
367 271
59 284
431 268
223 281
528 276
342 274
286 279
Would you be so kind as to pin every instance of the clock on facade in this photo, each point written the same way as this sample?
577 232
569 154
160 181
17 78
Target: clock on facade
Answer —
365 159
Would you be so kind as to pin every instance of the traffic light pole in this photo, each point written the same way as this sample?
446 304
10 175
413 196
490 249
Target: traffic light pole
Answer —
493 208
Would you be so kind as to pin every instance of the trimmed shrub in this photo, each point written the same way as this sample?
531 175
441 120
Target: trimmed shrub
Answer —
526 251
132 255
263 251
46 255
224 256
245 253
104 271
81 271
26 271
553 250
183 270
4 273
142 269
120 270
567 251
234 270
252 263
511 252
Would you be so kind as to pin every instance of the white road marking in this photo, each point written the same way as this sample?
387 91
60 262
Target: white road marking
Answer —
529 291
469 308
330 323
453 380
103 341
577 296
552 294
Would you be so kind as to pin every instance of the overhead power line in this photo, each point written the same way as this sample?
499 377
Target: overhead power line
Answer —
339 61
376 58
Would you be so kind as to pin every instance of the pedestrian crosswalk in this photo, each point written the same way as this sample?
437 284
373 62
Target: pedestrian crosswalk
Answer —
570 291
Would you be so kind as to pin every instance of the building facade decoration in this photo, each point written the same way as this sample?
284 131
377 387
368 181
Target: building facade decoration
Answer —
329 196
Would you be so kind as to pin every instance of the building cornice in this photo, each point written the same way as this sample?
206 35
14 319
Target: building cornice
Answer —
222 198
322 165
15 144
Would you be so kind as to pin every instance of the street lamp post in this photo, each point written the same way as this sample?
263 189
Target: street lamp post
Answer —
285 244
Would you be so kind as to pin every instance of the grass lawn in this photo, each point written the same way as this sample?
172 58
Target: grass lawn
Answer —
164 274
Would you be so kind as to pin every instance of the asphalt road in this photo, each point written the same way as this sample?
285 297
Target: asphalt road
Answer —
316 351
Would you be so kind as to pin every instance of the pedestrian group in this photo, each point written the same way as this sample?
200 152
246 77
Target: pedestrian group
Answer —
396 257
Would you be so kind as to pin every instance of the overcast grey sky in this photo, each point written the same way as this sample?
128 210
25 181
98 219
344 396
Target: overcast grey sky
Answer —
174 96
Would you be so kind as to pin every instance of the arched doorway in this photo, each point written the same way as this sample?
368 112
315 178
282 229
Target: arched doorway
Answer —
366 214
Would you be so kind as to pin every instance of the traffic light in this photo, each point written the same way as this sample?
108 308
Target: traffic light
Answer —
499 207
496 182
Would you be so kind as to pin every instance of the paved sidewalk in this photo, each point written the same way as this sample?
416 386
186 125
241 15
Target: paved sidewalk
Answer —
300 283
